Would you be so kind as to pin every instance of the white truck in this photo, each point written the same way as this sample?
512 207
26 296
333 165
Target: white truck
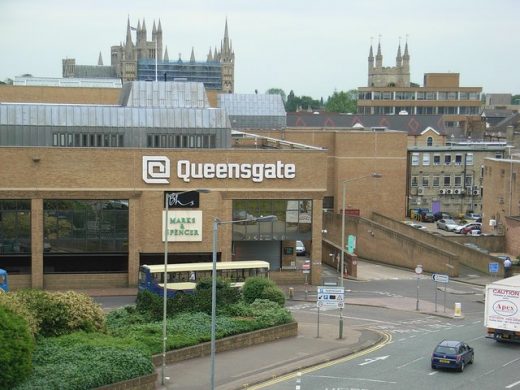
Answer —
502 310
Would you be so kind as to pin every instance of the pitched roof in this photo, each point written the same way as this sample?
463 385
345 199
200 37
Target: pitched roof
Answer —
412 124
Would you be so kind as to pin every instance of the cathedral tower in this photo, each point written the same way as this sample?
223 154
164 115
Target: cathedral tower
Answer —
390 76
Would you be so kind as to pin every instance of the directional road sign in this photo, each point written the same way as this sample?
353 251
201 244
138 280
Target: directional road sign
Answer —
441 278
331 297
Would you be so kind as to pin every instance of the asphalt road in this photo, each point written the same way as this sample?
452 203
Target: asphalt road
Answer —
404 361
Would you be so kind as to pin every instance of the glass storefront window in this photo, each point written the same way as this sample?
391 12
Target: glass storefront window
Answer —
294 220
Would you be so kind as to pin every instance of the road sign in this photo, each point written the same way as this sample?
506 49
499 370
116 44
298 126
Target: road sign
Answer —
441 278
418 269
331 297
351 245
306 267
493 268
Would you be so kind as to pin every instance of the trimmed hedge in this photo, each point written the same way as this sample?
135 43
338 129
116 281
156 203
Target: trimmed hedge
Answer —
85 365
16 346
262 288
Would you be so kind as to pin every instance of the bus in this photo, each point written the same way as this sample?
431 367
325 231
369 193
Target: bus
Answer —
4 287
183 277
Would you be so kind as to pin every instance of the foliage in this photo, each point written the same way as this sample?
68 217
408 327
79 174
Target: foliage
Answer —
86 362
277 91
63 312
295 103
151 305
16 346
345 102
226 295
12 302
262 288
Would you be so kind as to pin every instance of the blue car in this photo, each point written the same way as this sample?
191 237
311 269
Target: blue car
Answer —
452 354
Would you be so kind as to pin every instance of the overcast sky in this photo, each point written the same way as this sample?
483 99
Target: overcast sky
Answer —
310 47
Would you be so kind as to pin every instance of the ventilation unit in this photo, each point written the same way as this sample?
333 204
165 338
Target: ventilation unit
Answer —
420 191
457 191
476 192
449 191
442 191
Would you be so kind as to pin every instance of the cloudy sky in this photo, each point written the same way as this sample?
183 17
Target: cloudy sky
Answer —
310 47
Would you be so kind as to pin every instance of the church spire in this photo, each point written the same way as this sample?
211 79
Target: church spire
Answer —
166 58
210 56
100 60
128 32
379 56
192 57
399 58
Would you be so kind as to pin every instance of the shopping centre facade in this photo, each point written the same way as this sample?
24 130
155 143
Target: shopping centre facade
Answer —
87 215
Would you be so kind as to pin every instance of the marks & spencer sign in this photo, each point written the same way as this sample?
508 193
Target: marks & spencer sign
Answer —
183 225
157 170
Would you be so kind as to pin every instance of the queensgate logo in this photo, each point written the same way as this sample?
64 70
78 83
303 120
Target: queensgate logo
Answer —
156 170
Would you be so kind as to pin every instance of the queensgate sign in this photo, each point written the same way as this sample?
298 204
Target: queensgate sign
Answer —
156 170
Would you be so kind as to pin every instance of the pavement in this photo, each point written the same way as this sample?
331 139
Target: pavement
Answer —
248 367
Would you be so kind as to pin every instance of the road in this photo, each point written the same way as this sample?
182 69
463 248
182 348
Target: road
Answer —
403 362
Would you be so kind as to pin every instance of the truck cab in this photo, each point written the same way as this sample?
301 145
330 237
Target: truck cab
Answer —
4 287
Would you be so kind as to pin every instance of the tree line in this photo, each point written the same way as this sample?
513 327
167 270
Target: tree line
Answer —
345 102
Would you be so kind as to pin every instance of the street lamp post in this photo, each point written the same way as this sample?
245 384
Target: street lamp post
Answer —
165 276
216 223
342 267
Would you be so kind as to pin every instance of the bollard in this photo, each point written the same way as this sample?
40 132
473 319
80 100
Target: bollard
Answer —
291 292
458 310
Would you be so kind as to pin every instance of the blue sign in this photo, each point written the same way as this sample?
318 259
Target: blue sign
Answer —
351 246
493 268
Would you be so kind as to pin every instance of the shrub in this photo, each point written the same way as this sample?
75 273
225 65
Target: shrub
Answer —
273 294
63 312
268 313
262 288
17 306
84 365
17 344
226 295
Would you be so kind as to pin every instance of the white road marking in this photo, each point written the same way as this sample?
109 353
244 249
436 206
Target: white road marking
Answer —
513 385
413 361
369 361
433 372
512 361
349 378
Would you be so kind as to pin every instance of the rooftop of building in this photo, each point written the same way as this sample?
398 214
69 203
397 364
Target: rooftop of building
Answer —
412 124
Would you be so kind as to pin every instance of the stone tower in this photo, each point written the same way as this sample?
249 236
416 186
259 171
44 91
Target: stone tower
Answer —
391 76
226 57
124 57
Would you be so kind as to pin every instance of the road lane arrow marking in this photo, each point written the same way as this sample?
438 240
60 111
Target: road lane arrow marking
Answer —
369 361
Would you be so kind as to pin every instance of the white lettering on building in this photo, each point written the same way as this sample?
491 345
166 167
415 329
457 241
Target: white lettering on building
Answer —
187 171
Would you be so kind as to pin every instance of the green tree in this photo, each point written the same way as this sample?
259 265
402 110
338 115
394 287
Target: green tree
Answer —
294 103
277 91
342 102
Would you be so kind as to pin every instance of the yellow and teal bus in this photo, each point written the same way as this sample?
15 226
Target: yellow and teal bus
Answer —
183 277
4 286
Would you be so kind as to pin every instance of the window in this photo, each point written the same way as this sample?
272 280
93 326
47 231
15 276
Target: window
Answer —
426 159
458 159
425 181
458 181
436 181
442 95
498 155
430 96
447 159
415 159
469 159
436 159
429 141
469 181
452 95
447 180
415 181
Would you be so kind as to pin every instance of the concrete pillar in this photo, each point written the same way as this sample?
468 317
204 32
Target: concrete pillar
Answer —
317 227
133 244
37 243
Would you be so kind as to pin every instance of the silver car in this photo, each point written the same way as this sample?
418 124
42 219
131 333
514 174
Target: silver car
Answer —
447 224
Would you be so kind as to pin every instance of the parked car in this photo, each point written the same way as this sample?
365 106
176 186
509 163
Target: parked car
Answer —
300 248
427 217
474 232
447 224
441 215
473 216
463 229
452 354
